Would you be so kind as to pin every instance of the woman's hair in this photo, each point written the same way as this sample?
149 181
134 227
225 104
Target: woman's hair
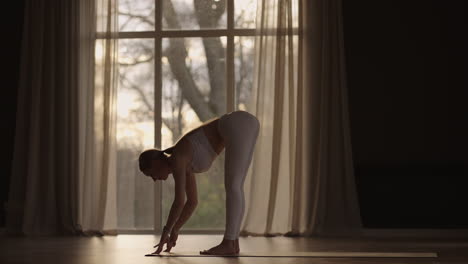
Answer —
144 161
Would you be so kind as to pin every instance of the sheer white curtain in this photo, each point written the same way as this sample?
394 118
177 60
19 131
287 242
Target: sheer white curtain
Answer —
301 179
98 92
63 176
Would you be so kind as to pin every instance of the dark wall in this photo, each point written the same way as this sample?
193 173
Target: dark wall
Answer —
406 64
12 19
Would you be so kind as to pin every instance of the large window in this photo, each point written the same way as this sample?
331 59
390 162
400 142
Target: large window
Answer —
181 63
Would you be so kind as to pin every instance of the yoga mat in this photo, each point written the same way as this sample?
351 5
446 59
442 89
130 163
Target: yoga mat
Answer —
307 255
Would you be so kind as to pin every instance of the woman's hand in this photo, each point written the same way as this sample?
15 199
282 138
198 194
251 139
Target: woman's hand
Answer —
164 239
172 240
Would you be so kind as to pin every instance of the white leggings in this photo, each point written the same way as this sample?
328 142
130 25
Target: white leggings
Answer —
239 130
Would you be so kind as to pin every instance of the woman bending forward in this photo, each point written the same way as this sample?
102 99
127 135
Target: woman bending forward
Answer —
237 132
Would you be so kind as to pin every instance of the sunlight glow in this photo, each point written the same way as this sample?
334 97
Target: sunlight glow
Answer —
125 103
141 132
147 129
98 51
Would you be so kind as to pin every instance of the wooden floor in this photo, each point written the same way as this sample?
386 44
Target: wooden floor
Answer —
132 248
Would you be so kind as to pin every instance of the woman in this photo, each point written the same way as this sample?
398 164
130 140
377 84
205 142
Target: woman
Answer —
236 132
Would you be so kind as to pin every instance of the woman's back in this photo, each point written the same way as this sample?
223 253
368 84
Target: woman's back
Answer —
210 128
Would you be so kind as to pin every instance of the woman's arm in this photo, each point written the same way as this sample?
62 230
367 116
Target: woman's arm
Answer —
190 205
192 201
178 164
179 173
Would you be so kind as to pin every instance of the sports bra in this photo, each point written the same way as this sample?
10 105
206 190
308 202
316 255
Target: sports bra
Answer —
203 153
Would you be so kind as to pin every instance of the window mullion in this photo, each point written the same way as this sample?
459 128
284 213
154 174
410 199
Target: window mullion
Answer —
230 78
157 109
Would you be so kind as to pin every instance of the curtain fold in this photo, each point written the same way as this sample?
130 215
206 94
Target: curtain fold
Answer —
301 179
44 180
99 68
63 177
336 208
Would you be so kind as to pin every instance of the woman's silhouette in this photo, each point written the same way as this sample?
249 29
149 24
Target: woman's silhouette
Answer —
194 152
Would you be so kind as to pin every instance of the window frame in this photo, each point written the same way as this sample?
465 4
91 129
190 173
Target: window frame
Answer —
230 32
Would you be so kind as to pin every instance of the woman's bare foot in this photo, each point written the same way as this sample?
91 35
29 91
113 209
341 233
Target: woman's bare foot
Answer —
227 247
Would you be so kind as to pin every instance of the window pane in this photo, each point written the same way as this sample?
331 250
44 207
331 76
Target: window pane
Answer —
244 58
245 12
135 132
194 14
193 91
136 15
